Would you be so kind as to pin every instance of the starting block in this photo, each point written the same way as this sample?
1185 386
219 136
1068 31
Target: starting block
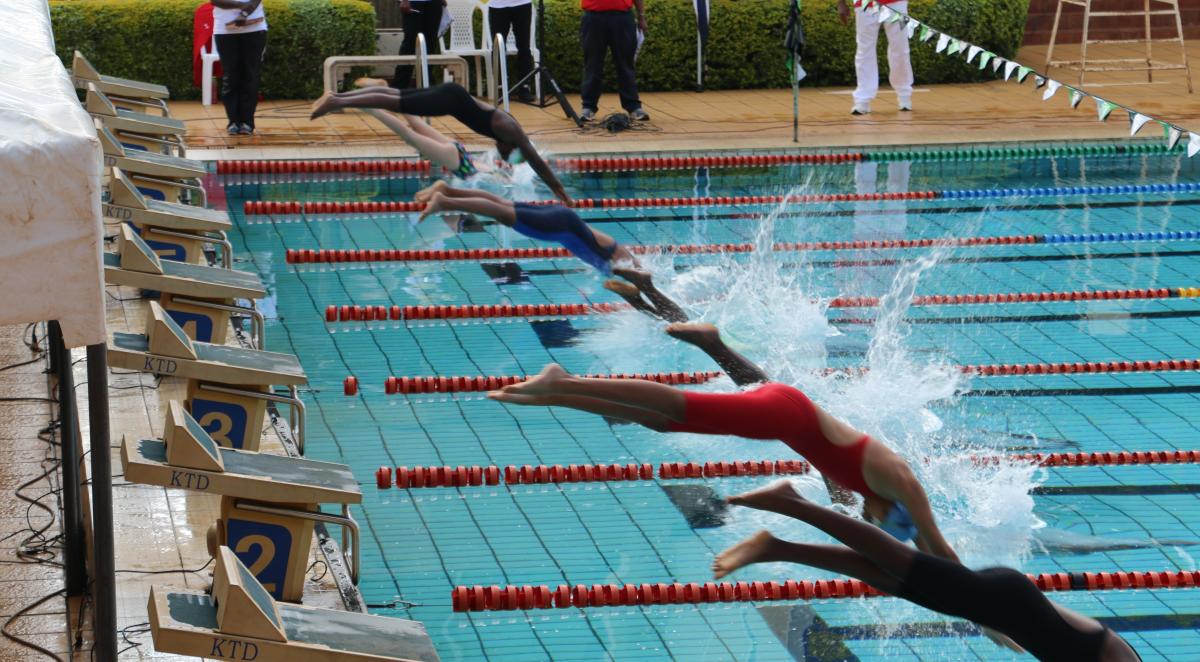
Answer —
240 621
174 231
228 387
269 503
135 93
153 133
200 299
158 176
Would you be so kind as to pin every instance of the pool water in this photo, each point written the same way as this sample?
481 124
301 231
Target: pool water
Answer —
773 307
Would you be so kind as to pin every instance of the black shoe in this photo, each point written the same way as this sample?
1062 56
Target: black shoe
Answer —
245 129
639 115
524 95
233 129
587 115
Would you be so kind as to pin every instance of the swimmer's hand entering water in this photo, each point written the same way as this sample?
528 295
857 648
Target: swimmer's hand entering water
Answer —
1001 640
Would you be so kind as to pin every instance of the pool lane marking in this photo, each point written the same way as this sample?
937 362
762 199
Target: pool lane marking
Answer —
359 313
404 477
330 255
528 597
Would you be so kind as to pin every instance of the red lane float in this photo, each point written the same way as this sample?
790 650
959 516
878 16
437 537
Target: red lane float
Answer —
274 207
321 167
512 598
338 255
406 385
348 313
595 473
681 162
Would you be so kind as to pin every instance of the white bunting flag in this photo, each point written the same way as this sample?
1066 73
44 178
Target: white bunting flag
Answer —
1076 97
1038 82
1174 133
1103 108
1051 87
1009 68
943 42
1193 144
1136 122
997 63
972 52
912 27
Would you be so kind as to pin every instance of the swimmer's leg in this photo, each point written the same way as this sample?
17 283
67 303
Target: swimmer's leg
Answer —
632 296
881 549
438 150
499 208
384 98
671 311
422 127
740 369
763 547
642 417
668 402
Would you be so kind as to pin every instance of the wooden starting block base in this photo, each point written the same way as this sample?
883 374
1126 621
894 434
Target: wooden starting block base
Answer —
127 203
145 163
120 120
189 280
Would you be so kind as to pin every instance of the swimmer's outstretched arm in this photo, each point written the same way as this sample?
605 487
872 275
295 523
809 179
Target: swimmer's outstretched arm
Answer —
508 130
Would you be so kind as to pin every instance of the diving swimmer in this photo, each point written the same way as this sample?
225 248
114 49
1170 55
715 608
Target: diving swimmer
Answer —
1001 599
545 222
449 99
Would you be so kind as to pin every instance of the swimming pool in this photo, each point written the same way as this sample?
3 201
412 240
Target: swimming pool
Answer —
774 306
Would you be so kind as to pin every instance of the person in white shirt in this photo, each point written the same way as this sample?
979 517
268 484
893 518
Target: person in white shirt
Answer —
241 35
866 61
517 15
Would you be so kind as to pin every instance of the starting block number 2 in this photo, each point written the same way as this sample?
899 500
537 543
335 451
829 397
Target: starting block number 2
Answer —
264 548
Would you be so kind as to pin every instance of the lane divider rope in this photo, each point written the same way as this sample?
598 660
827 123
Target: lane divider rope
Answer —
588 164
492 475
342 255
512 598
273 207
410 385
358 313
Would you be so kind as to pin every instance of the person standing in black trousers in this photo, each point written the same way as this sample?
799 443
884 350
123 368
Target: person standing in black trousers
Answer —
241 35
517 15
609 24
420 17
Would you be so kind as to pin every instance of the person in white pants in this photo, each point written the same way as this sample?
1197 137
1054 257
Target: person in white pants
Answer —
866 63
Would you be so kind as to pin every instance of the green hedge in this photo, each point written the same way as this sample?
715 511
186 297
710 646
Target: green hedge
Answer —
151 40
745 44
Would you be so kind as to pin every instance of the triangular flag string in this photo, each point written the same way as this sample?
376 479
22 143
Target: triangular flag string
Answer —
1104 108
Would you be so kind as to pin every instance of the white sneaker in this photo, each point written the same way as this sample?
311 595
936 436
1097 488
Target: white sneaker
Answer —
906 105
861 109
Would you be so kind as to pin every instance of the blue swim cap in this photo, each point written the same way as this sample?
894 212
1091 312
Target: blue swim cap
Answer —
899 523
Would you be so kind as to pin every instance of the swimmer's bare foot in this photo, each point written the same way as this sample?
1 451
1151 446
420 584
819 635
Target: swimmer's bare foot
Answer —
754 549
325 105
638 277
625 290
544 383
518 398
436 203
772 497
426 193
700 334
367 81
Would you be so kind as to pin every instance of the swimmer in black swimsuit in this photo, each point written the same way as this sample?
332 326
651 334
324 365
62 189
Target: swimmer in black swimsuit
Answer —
449 99
1002 599
546 222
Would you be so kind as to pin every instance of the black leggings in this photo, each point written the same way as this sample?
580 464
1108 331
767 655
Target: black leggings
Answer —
241 64
448 99
518 18
1002 599
425 18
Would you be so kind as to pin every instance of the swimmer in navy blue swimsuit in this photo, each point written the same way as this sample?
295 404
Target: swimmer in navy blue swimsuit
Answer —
546 222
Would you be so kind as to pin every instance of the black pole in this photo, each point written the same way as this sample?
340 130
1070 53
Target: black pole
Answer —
74 541
104 585
542 70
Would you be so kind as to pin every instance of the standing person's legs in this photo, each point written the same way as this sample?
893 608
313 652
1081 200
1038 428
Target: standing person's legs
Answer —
866 61
254 47
593 34
402 77
900 73
623 36
229 48
522 18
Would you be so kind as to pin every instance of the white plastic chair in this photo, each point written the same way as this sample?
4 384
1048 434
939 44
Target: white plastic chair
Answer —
461 35
208 57
511 43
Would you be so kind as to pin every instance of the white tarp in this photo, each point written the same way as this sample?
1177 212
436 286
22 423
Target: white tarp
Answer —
50 161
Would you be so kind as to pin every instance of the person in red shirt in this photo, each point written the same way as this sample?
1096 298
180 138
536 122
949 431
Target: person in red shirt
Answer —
866 62
609 24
